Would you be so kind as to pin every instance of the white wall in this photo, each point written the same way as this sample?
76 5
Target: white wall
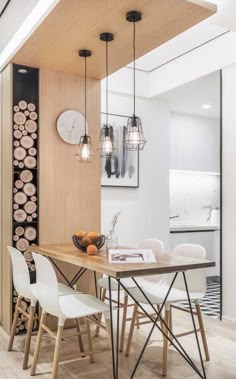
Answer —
145 210
229 192
194 143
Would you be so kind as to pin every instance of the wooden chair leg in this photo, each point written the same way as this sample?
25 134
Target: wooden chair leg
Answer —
131 330
122 335
38 343
161 323
100 314
90 344
165 345
28 337
80 341
108 330
202 331
14 324
57 352
137 321
171 322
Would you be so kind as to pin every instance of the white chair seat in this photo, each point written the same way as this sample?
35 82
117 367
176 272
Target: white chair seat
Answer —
81 305
62 290
157 293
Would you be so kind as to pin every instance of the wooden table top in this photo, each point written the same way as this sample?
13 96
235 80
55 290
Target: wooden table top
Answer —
99 263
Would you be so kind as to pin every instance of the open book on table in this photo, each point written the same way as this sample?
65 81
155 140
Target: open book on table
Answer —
131 256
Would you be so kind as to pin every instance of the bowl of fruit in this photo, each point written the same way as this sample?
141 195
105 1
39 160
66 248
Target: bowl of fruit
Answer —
89 242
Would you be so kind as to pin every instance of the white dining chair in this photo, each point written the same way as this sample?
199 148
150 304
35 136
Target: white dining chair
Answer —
63 307
21 281
157 247
156 294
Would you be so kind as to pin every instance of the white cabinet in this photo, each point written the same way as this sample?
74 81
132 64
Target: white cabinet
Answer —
194 143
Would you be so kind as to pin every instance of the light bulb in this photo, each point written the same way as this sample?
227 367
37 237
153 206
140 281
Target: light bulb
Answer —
107 146
85 152
134 138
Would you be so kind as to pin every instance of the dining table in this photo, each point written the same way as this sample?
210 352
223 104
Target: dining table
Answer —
99 263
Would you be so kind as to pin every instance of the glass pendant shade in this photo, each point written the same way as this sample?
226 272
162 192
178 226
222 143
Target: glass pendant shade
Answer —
134 138
106 145
85 152
106 141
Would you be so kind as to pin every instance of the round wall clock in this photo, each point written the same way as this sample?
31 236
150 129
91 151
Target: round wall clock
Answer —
70 126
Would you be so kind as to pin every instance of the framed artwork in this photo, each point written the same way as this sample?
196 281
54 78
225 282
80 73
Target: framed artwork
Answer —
122 168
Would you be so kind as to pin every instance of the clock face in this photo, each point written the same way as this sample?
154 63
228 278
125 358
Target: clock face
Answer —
70 126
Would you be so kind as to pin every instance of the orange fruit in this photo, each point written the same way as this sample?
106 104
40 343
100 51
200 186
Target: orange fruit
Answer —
91 250
86 241
80 234
94 236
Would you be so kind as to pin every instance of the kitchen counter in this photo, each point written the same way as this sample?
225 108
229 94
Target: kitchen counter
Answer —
185 228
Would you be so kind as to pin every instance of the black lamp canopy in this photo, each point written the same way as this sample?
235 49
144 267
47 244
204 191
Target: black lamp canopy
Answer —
85 153
134 138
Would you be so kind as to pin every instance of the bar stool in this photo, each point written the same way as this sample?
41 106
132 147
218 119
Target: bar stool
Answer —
63 307
21 281
158 248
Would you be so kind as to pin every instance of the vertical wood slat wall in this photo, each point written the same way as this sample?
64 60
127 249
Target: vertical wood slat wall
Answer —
70 194
6 197
69 191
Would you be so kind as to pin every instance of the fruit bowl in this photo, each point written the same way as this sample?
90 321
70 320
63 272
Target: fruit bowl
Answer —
79 243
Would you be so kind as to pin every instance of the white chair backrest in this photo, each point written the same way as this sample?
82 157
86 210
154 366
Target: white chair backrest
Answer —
21 278
157 246
47 285
196 279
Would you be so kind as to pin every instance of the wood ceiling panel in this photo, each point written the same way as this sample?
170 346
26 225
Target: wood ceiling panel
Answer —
76 24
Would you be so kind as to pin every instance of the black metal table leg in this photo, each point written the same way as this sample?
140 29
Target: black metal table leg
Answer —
176 344
118 329
194 325
112 330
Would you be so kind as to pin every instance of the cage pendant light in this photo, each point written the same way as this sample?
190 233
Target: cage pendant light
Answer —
134 137
85 153
106 141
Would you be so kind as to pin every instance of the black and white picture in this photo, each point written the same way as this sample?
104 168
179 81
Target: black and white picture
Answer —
121 169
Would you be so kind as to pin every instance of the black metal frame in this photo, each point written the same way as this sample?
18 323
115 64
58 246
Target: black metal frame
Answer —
179 348
115 344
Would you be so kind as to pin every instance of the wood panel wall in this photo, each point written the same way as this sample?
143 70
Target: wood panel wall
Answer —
70 196
6 197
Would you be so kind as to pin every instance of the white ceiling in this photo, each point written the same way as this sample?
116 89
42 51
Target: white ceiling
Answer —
13 17
201 33
191 97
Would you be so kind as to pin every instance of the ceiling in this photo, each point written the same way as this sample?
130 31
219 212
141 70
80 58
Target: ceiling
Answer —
191 97
205 31
15 13
77 24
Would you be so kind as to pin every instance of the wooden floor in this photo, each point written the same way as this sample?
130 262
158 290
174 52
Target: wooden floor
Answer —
222 345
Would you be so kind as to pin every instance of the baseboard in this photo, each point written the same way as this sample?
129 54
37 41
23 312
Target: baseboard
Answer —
228 319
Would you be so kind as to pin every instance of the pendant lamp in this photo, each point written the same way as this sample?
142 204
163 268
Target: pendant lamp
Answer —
134 138
106 142
85 153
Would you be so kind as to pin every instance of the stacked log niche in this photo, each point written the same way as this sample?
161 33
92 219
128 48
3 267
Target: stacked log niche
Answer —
25 124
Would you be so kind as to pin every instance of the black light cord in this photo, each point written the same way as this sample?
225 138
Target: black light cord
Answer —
5 7
107 83
134 63
85 94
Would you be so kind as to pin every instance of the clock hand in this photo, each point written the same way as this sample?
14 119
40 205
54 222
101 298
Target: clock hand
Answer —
72 129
